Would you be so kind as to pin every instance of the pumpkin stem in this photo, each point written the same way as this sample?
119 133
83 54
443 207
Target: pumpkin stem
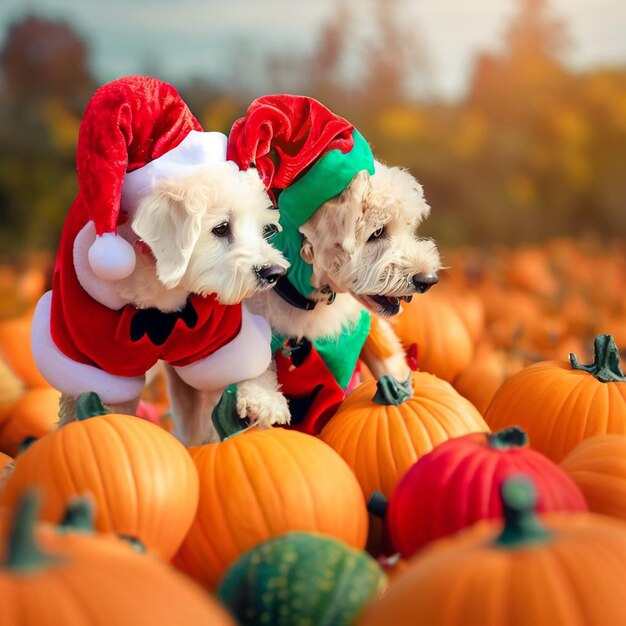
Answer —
26 443
136 544
23 553
225 417
513 437
606 366
89 405
521 525
377 504
391 391
79 516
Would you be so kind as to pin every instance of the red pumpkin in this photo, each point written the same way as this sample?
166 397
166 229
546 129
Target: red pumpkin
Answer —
459 482
561 570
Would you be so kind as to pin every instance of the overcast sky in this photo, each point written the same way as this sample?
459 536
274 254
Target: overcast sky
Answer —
183 38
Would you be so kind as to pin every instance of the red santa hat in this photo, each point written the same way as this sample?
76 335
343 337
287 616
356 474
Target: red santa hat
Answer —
135 132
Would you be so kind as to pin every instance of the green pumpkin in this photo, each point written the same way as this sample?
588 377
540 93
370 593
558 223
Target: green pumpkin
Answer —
301 579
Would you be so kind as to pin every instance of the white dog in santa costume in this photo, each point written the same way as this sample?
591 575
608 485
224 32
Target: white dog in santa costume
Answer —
163 242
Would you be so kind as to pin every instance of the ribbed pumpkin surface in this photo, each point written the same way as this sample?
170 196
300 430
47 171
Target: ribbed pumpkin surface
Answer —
459 482
558 407
98 582
575 579
301 578
260 484
598 467
443 342
380 443
35 414
142 479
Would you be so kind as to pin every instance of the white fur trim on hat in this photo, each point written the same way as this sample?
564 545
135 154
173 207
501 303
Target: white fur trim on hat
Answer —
196 150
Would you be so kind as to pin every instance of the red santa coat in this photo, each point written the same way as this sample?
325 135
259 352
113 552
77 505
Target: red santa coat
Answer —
127 124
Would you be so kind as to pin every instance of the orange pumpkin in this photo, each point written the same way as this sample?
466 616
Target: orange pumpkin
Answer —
570 571
559 404
384 426
142 479
598 467
529 269
468 305
444 344
480 380
15 350
258 484
34 415
11 389
73 578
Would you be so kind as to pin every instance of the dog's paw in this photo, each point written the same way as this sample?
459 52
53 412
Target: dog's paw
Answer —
262 407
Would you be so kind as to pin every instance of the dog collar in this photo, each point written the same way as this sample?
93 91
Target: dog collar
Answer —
287 291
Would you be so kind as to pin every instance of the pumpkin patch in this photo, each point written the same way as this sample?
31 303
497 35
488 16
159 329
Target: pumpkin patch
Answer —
520 571
273 524
119 460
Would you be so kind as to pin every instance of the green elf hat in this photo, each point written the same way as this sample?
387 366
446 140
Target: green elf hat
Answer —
305 155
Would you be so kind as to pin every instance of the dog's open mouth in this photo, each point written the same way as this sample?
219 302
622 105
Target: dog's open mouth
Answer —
385 306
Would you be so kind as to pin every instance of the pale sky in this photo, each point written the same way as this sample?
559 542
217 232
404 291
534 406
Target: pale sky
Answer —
182 38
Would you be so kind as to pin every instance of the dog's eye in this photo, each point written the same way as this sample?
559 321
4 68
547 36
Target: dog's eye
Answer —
269 230
221 230
379 232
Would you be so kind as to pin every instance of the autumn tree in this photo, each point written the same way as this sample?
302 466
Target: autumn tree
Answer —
372 51
43 57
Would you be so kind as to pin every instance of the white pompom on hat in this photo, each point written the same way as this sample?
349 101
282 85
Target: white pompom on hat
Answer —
136 131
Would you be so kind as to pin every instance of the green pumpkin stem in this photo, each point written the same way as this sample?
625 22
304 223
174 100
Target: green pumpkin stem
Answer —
606 366
136 544
225 417
378 504
89 405
23 553
391 391
79 516
521 525
513 437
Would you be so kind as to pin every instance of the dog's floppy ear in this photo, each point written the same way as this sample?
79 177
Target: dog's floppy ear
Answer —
170 222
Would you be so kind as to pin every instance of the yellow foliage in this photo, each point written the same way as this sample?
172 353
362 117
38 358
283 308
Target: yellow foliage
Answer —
62 124
402 123
576 167
571 126
521 189
471 135
219 115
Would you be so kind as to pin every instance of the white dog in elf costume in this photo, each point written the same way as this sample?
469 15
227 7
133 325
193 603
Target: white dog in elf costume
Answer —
350 230
162 243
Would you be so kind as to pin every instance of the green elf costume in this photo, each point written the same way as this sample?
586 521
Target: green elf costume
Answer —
305 155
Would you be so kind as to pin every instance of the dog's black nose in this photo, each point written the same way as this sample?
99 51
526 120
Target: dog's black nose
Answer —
270 273
423 282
